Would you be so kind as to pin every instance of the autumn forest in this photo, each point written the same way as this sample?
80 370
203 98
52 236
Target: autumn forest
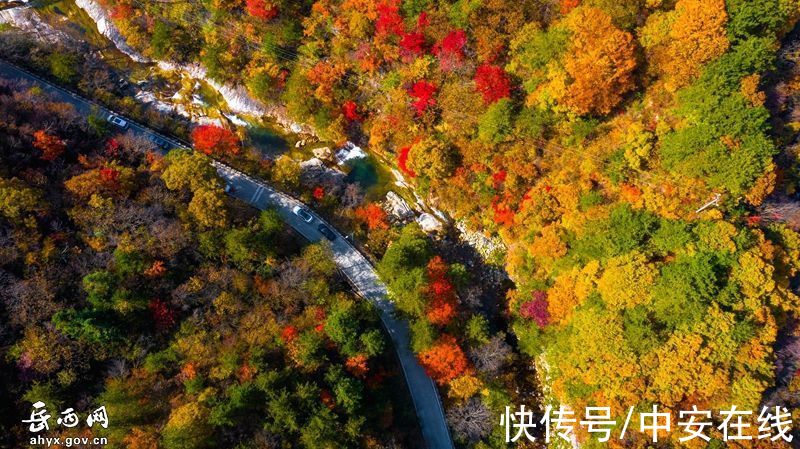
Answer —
569 202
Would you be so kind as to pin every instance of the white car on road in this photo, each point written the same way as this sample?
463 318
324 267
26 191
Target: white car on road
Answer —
303 214
118 121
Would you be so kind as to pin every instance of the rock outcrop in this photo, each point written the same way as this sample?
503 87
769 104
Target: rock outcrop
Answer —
485 246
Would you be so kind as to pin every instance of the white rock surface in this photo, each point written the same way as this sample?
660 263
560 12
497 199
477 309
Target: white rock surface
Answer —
236 120
398 207
349 152
429 223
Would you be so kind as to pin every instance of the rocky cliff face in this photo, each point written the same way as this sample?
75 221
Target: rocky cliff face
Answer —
106 27
28 20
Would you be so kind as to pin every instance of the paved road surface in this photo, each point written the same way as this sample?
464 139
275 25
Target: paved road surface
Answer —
352 263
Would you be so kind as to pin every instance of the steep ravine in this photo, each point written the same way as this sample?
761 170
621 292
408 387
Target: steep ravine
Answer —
237 98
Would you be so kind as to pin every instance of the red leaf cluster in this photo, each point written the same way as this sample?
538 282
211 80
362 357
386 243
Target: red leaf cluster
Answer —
110 177
503 212
289 333
451 50
261 9
630 193
350 111
389 19
163 316
212 139
318 193
112 148
412 44
357 365
121 11
402 162
754 220
327 398
157 269
536 310
423 20
423 92
498 178
437 268
492 82
444 361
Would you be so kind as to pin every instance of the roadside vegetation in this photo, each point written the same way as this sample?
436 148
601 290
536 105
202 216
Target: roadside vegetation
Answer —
132 281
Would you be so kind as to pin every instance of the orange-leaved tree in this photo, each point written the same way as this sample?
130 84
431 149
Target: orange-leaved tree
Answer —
444 360
696 37
601 62
51 146
442 307
373 216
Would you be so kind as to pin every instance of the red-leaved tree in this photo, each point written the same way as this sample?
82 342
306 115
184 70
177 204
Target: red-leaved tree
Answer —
121 11
422 91
112 148
212 139
492 82
157 269
412 44
110 178
163 316
261 9
423 20
289 333
389 19
498 178
536 309
357 365
451 50
503 212
402 162
350 111
569 5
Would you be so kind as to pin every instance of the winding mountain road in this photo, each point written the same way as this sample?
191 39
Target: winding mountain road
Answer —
350 261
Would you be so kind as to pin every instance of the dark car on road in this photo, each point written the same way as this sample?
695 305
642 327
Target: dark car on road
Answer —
161 143
326 231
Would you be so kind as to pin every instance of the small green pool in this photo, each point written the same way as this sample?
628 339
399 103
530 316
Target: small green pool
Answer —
373 177
267 141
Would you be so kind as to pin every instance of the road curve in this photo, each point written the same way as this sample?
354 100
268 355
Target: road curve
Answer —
350 261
